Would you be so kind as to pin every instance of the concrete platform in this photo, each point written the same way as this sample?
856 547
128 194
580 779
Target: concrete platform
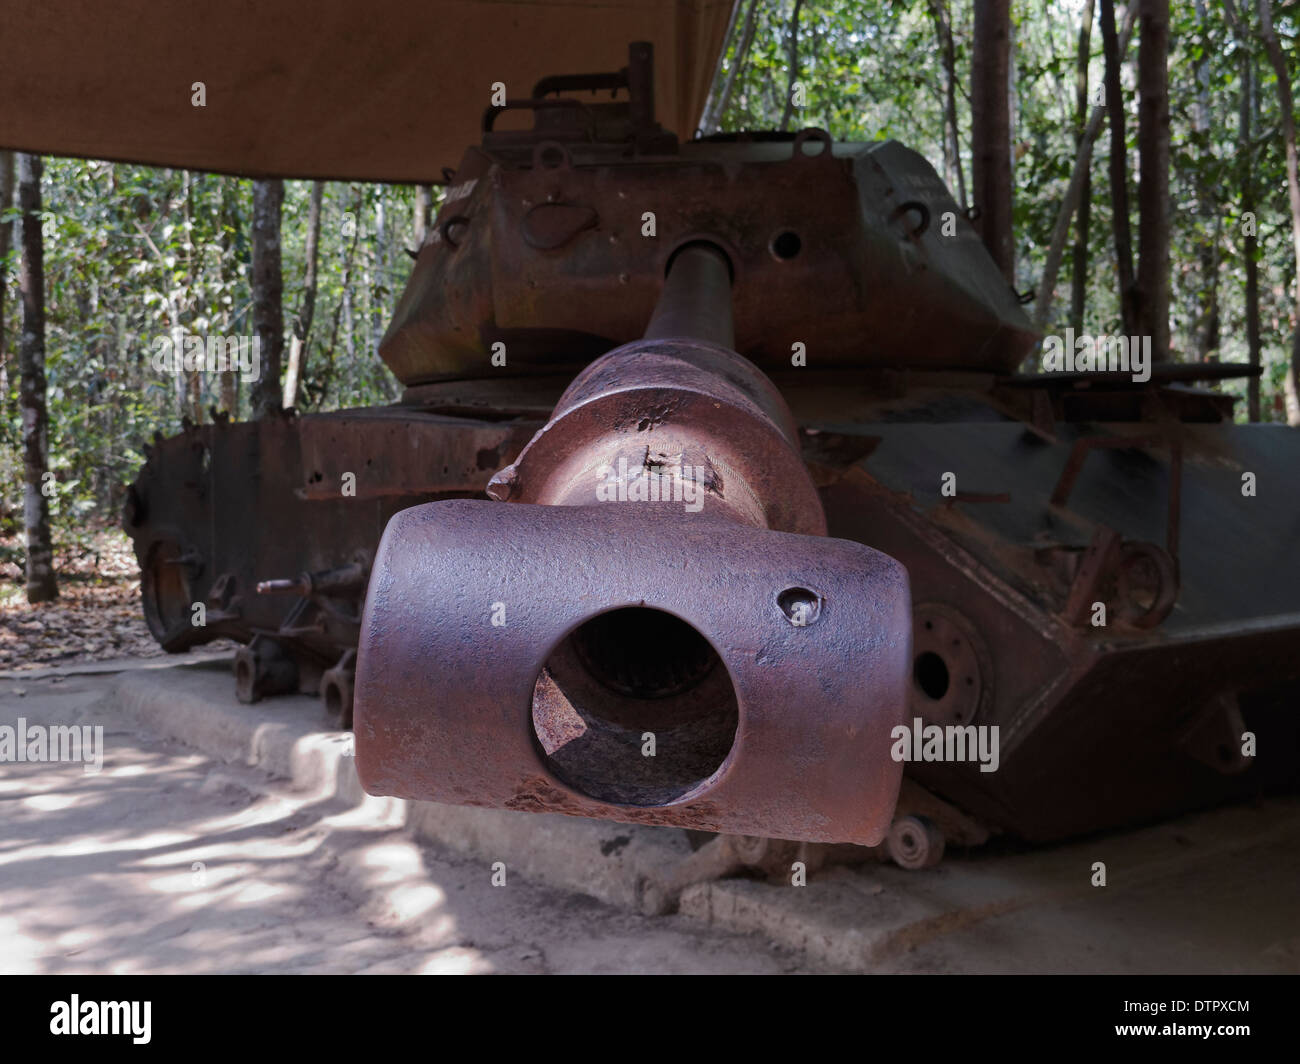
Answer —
1214 892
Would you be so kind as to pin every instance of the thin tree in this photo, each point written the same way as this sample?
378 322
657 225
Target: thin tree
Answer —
1073 197
1209 215
421 216
6 245
307 304
1246 178
952 140
268 290
231 255
710 101
1117 113
194 379
1273 49
41 586
377 281
714 112
991 131
1153 184
793 65
327 378
1079 262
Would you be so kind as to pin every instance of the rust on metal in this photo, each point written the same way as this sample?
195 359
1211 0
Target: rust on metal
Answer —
760 726
656 372
686 649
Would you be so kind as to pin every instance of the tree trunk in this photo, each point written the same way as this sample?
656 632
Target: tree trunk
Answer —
711 100
952 139
6 245
1073 198
1079 263
230 239
422 214
174 317
793 65
1153 185
194 379
1291 380
327 377
1117 114
378 288
268 289
991 131
1206 336
1246 170
712 120
31 361
307 305
349 330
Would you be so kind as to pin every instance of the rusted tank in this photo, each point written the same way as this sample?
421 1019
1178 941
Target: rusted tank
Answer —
899 534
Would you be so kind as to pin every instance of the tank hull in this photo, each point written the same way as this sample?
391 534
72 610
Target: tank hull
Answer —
1099 725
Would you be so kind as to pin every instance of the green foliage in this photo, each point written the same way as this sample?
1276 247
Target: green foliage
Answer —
872 69
132 253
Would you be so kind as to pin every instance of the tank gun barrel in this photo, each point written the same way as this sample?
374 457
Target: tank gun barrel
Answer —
696 300
655 627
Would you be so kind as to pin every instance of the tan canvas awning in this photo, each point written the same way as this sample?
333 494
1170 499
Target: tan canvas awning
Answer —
383 90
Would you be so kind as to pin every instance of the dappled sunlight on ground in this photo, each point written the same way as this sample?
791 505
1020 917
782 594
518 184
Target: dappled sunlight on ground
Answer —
168 861
97 616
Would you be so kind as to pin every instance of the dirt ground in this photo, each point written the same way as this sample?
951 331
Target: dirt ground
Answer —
96 617
167 861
